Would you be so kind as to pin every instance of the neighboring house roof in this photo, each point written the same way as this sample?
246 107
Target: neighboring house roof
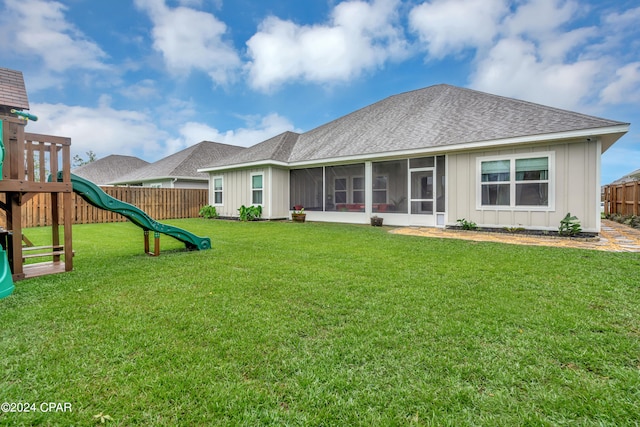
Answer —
434 118
183 164
633 176
13 93
107 169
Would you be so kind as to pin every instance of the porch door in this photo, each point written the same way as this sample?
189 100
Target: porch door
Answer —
422 193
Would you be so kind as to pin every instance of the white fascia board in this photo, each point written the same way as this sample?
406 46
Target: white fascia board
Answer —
248 165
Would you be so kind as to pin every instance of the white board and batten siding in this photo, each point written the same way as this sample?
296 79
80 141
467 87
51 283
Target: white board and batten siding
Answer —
237 191
575 181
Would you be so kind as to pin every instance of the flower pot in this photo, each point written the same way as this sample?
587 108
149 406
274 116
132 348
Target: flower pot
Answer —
298 217
376 221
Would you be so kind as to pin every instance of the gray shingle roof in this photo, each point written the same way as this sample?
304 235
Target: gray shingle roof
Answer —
107 169
277 148
183 164
439 115
13 93
436 116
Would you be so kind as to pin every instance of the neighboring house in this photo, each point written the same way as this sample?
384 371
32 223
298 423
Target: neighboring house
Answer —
180 170
107 169
633 176
428 157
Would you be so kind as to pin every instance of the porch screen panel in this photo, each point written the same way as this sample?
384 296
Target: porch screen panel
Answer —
344 188
305 188
390 189
440 183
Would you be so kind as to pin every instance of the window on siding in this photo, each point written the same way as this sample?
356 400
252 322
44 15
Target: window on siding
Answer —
515 182
358 189
340 192
380 185
217 190
256 189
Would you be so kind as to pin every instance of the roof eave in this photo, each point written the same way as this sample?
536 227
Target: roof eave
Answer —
257 163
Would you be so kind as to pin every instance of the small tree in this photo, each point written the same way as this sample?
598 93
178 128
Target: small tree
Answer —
79 161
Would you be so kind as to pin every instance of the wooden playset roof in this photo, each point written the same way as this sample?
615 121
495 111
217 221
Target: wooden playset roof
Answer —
13 93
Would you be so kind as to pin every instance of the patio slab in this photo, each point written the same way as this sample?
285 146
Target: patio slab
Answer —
614 237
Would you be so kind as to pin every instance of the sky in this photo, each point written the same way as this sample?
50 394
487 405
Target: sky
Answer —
149 78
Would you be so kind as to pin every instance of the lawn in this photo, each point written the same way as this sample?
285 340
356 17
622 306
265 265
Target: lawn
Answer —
323 324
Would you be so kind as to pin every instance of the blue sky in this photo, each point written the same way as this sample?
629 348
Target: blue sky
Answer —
151 77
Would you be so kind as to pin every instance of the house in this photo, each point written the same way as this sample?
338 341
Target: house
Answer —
428 157
107 169
179 170
630 177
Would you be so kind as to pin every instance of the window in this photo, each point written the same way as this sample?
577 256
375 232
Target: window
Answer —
380 185
340 193
256 189
217 190
358 189
515 181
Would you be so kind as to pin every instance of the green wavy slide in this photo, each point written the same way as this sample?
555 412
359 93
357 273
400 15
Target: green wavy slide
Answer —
98 198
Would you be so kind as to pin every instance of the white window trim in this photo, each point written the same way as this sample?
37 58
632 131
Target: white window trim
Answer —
362 190
256 189
213 190
345 191
512 181
380 190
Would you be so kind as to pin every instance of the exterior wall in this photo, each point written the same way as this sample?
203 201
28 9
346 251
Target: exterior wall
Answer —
575 188
278 193
237 192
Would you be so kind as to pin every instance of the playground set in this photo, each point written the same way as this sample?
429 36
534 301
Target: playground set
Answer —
33 163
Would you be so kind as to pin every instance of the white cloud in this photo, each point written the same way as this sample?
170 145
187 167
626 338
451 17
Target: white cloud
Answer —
256 130
39 28
449 26
539 18
512 68
189 39
360 36
102 130
625 89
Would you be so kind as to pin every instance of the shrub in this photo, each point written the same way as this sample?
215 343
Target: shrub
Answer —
250 213
208 212
467 225
569 226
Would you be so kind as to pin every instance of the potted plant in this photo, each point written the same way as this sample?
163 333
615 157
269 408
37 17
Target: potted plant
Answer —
298 214
376 221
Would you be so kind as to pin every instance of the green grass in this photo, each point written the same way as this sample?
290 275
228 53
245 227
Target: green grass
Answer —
324 324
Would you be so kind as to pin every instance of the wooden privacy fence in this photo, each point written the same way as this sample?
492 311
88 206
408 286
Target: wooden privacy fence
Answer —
622 199
158 203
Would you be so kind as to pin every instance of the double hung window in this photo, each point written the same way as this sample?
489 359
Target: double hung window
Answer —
217 190
256 189
515 181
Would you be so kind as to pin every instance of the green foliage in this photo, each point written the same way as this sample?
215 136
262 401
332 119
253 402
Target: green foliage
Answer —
79 161
514 229
208 212
250 213
569 226
467 225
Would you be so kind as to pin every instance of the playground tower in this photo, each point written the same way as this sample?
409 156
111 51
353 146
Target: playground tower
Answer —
27 161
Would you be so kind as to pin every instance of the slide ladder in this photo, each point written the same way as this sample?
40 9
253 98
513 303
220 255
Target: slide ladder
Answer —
94 195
